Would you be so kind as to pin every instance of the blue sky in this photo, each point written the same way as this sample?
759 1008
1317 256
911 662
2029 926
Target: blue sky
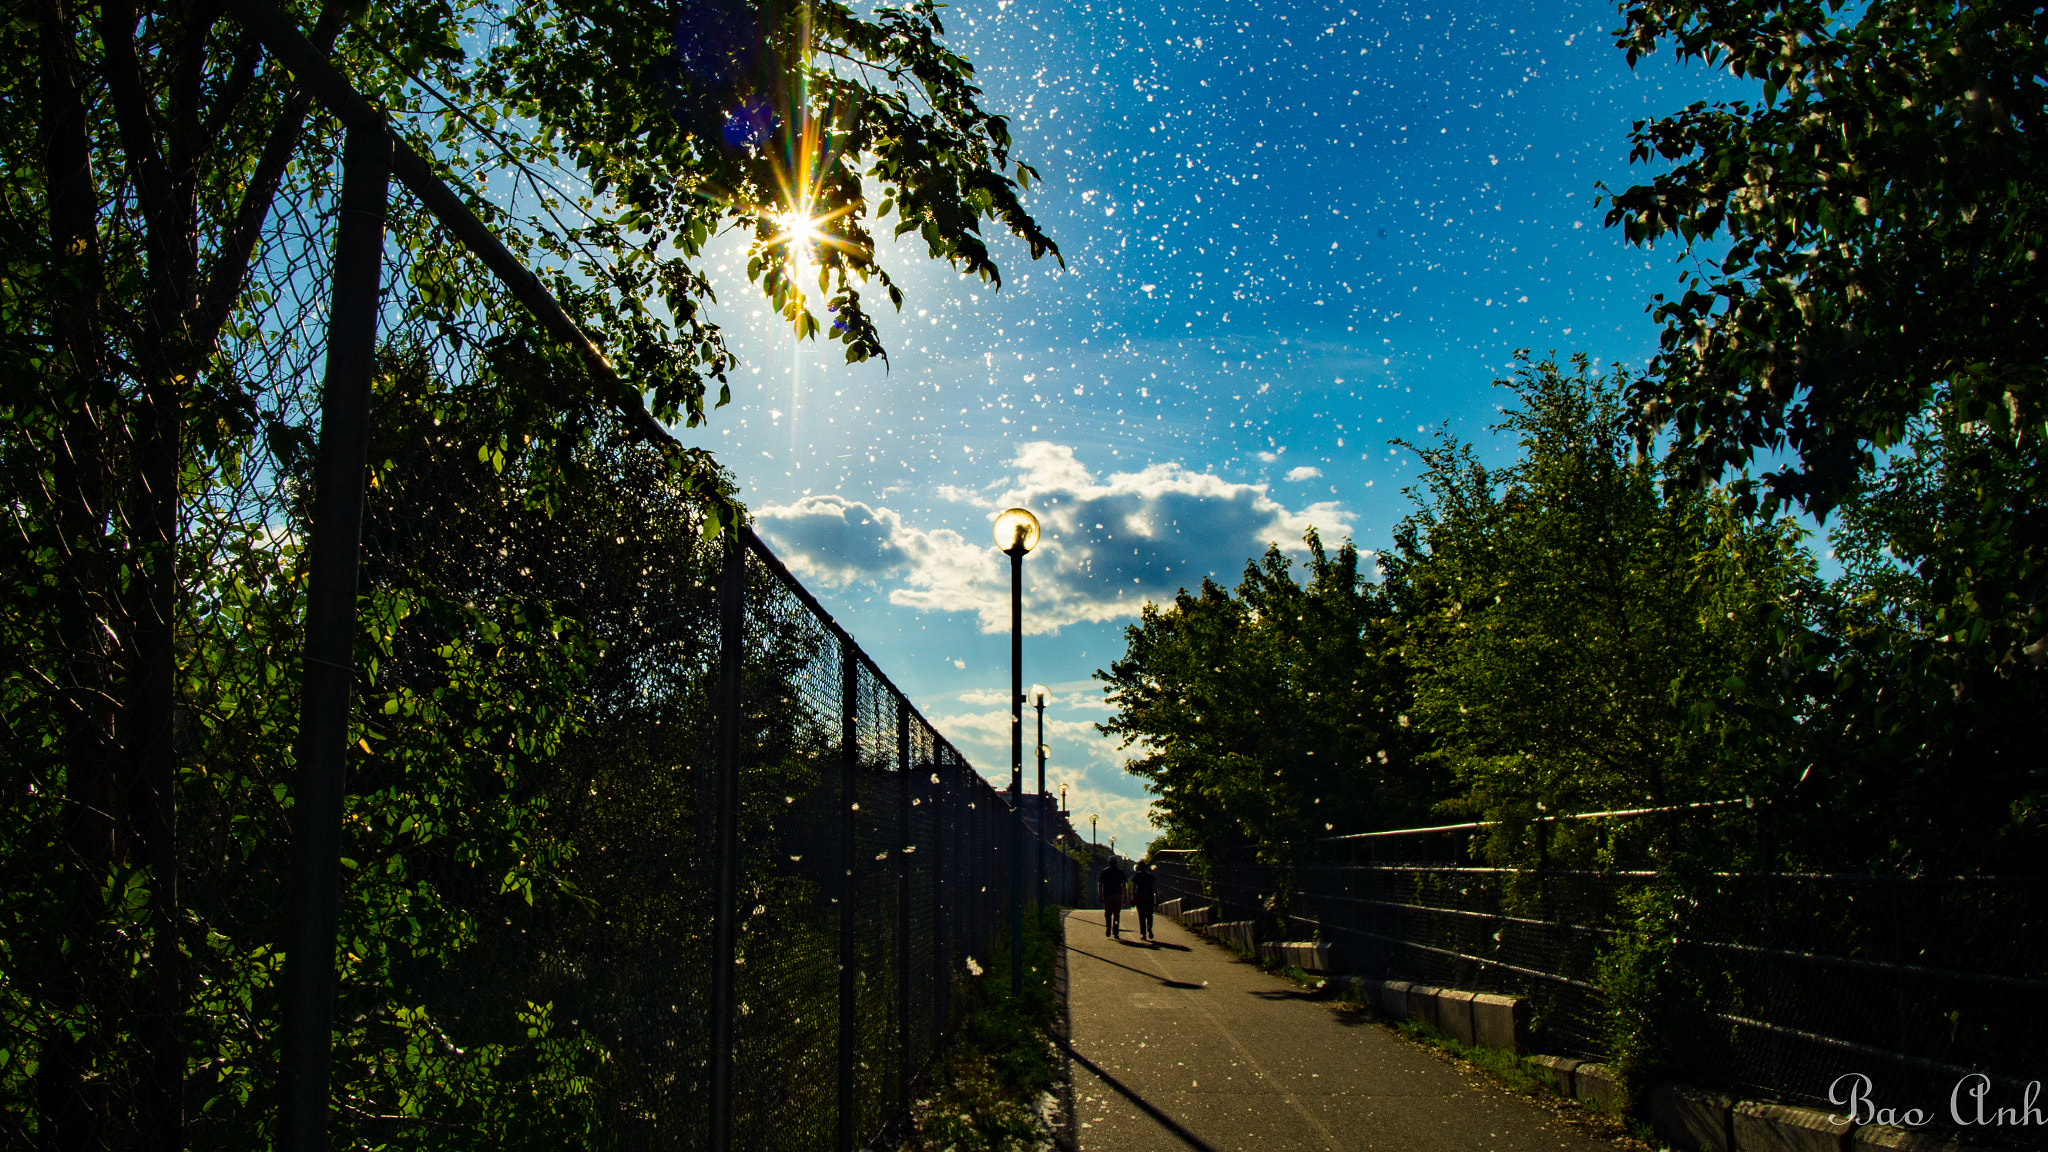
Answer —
1293 232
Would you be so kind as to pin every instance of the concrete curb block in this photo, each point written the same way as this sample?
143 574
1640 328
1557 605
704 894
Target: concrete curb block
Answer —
1562 1068
1597 1086
1422 1005
1697 1120
1366 990
1691 1118
1306 955
1236 933
1784 1128
1454 1014
1394 998
1196 917
1891 1138
1170 909
1500 1022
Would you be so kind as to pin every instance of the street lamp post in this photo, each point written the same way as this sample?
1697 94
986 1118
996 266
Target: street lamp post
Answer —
1016 533
1038 694
1091 846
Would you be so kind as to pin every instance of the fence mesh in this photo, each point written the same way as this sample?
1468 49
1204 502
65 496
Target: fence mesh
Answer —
525 953
1771 984
867 841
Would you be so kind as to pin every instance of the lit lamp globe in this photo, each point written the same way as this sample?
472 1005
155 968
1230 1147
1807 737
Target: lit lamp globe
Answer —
1008 527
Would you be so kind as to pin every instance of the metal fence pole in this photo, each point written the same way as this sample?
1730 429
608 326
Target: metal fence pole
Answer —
1038 900
849 800
942 957
904 845
977 864
308 1006
732 600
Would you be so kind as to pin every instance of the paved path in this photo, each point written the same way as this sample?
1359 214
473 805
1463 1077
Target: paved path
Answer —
1180 1045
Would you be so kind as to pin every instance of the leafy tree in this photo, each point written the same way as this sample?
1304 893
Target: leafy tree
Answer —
1578 640
1870 299
1869 230
169 197
1273 714
1918 746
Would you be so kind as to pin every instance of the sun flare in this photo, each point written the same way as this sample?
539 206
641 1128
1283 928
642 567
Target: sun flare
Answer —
799 230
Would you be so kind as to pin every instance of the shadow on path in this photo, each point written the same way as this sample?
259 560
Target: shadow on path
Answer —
1143 1105
1139 971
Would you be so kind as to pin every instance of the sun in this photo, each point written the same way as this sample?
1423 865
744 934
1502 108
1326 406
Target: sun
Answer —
799 229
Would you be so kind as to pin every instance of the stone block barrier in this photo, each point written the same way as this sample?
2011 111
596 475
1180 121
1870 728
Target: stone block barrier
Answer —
1238 934
1308 956
1687 1118
1692 1118
1454 1014
1783 1128
1500 1022
1597 1085
1560 1069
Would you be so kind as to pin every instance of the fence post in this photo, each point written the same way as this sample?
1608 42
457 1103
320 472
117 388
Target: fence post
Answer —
942 957
732 600
849 797
904 845
333 570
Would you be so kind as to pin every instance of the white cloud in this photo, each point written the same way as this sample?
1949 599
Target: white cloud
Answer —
835 541
1111 542
1305 472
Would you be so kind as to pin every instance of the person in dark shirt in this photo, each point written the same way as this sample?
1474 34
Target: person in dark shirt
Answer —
1144 895
1111 884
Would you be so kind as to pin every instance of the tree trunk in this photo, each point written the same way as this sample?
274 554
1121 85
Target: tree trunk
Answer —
74 1112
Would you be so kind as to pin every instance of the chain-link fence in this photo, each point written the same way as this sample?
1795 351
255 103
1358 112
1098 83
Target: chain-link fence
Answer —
1771 984
876 864
543 935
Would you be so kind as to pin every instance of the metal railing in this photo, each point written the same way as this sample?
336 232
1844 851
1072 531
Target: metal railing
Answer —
907 856
579 829
1768 983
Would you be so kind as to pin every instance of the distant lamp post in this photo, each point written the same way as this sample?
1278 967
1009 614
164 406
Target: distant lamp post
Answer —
1038 694
1016 533
1091 845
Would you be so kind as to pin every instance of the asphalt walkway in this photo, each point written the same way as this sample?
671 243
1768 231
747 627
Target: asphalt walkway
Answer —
1180 1045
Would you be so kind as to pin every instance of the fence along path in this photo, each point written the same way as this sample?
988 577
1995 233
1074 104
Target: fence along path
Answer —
888 853
1800 977
852 855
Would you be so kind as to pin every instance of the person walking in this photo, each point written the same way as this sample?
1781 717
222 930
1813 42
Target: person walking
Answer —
1111 886
1144 896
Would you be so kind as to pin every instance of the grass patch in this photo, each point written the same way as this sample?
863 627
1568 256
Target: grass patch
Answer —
992 1090
1532 1081
1511 1071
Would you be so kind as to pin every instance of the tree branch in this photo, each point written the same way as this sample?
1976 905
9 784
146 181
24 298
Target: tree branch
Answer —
131 107
237 248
